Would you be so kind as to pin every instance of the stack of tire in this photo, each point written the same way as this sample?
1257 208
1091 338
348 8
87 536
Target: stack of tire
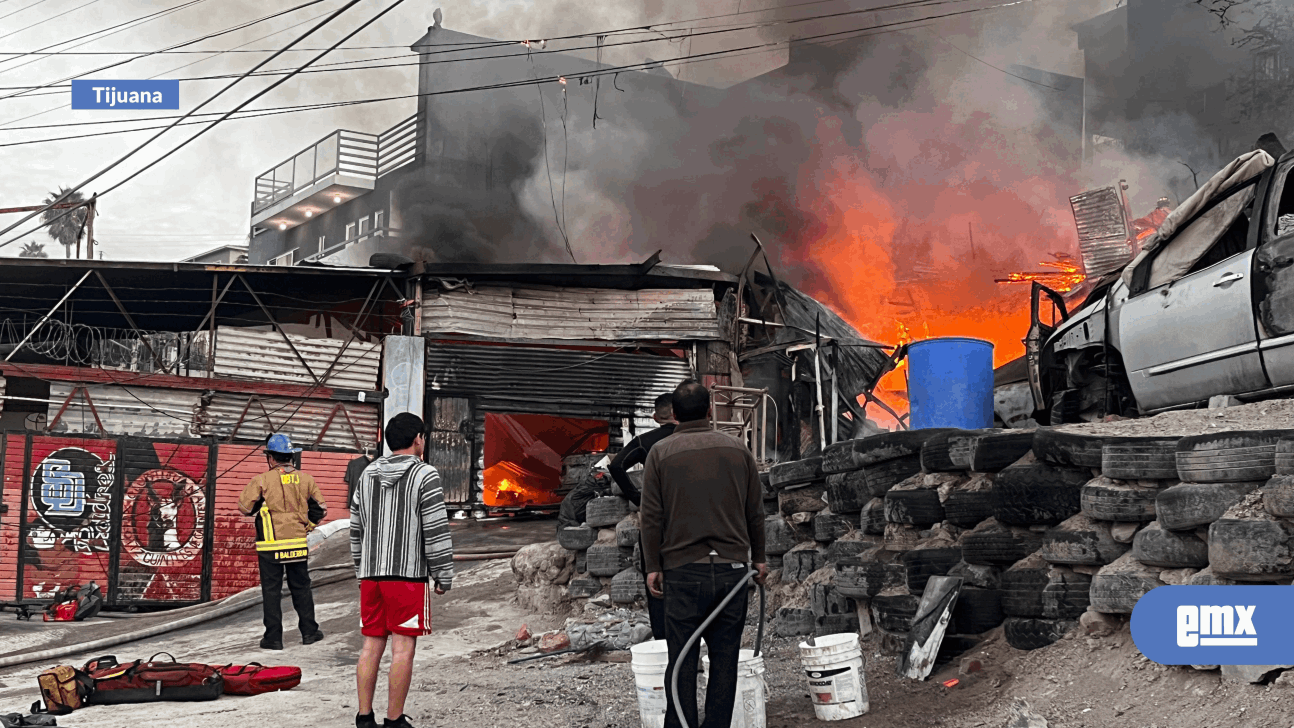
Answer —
605 548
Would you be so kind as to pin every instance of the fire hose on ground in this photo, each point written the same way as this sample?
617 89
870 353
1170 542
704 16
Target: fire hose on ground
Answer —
208 612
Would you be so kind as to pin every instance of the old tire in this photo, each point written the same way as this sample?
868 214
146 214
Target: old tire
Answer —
1278 495
1140 458
917 507
582 562
577 538
1022 587
1067 594
998 546
608 559
872 519
1285 456
847 492
921 564
977 611
854 454
606 511
860 578
994 451
1105 500
1117 586
895 613
583 587
779 535
1251 550
1070 449
1191 505
828 527
1155 545
796 472
935 457
883 476
628 586
1024 633
1081 541
1037 493
793 622
798 564
1228 457
961 445
848 548
968 509
627 533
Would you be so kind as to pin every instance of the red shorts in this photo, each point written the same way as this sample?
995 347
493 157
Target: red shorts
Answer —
394 607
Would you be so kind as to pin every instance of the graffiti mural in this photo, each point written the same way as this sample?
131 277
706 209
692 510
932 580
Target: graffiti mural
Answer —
163 521
69 526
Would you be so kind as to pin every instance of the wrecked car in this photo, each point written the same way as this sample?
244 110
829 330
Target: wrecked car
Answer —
1205 308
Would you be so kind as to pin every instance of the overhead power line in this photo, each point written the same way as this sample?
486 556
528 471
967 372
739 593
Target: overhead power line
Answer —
150 140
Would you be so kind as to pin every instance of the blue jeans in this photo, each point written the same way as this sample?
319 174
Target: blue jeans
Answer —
691 593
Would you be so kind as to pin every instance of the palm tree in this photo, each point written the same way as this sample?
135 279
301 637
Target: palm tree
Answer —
33 250
65 229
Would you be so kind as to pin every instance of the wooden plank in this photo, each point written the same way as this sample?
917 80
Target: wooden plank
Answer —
88 375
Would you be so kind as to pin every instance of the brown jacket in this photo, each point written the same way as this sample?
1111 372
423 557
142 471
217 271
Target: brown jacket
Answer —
701 493
287 493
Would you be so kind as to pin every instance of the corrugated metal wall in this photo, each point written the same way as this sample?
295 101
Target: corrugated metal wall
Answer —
1102 231
264 356
351 425
140 411
11 515
572 313
233 550
512 379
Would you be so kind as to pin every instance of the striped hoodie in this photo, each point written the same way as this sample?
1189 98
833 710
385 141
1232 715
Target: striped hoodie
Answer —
398 526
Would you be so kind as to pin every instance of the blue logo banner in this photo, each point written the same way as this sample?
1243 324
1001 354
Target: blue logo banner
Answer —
1215 625
125 95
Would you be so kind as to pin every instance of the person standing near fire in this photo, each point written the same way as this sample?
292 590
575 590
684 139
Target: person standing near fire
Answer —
635 453
287 505
400 541
702 530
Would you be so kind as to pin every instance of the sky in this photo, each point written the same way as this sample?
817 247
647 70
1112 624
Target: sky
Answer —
199 197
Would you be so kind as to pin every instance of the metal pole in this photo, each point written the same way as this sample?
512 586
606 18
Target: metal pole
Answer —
835 393
45 318
90 211
817 380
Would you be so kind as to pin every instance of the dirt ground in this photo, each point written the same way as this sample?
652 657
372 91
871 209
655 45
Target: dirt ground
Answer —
462 678
1276 414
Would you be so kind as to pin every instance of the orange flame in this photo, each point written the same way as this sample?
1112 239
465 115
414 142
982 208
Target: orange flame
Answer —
1067 278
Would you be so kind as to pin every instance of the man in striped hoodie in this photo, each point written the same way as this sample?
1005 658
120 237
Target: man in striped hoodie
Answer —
399 539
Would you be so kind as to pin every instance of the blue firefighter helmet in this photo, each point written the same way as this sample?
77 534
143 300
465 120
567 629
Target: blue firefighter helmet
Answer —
281 443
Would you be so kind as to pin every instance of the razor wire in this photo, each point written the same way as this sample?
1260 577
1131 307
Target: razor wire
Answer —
102 347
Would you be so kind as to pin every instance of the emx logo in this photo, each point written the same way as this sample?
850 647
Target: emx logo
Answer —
1215 625
1224 626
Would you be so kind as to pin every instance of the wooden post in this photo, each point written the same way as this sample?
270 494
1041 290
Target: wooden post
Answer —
817 382
835 392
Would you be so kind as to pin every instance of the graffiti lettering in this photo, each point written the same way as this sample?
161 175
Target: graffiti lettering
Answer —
71 494
164 519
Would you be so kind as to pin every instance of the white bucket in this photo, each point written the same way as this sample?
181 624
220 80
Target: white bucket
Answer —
752 692
650 661
834 668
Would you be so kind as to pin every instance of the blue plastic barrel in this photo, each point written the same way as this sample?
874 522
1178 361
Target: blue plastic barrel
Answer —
950 383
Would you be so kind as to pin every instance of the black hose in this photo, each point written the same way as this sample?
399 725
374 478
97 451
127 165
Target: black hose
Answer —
759 628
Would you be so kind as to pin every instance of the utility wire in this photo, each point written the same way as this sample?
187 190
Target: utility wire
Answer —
509 84
19 10
46 20
136 150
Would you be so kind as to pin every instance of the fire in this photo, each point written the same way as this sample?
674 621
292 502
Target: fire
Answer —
1067 276
505 487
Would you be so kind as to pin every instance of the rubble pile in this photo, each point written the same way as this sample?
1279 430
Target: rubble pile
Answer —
1048 529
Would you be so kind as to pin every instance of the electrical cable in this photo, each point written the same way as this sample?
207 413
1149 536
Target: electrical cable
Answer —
349 4
511 84
19 10
46 20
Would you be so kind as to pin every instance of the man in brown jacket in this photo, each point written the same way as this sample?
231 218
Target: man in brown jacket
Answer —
702 530
287 505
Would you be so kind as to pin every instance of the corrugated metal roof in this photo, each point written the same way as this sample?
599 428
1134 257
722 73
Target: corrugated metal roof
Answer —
238 417
542 312
263 355
1102 231
558 377
140 411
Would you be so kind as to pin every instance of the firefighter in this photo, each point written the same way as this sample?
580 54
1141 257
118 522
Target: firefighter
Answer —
287 505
